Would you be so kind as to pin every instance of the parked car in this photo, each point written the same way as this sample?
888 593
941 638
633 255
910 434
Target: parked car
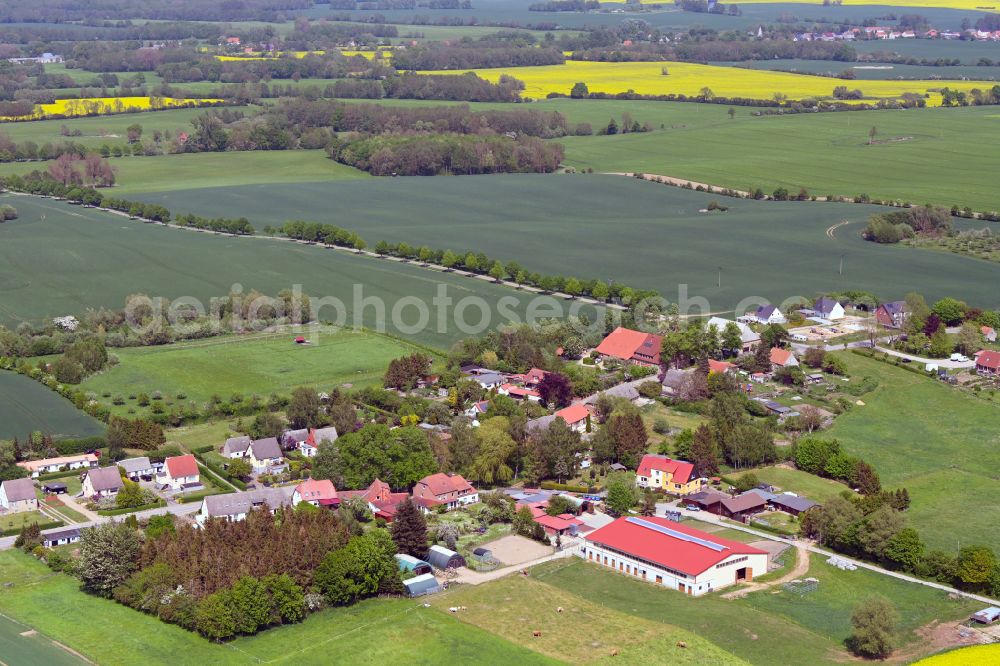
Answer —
693 507
960 358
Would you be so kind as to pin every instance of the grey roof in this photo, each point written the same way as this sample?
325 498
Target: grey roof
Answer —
541 423
265 448
673 378
328 434
18 490
767 496
296 436
105 478
136 465
233 504
627 391
70 533
236 445
421 584
895 307
793 502
825 305
442 558
765 311
490 378
706 497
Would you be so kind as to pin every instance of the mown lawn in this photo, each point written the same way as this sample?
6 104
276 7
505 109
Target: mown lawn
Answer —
373 632
795 481
256 365
939 443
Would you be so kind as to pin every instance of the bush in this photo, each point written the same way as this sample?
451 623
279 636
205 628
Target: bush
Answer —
565 487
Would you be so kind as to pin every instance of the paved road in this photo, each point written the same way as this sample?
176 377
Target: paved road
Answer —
176 509
941 363
712 518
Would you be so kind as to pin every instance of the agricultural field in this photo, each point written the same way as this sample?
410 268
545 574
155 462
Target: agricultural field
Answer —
256 364
873 71
647 78
48 260
376 631
650 235
942 445
27 406
90 106
967 52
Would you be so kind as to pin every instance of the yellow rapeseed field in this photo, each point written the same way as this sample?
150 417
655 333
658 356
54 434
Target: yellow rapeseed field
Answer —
978 5
90 106
981 655
647 78
254 56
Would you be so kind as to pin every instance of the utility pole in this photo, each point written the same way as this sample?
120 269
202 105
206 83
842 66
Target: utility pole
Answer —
720 277
842 264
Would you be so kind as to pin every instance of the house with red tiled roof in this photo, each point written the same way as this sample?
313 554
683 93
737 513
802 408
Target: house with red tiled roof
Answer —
989 334
678 557
988 362
782 358
534 376
318 492
448 490
719 367
520 392
180 473
673 476
381 500
575 416
631 346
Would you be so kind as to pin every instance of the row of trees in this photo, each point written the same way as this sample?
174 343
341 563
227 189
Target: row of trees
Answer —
314 232
475 55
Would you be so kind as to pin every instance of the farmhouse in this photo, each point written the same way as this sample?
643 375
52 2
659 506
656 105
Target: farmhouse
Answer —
61 537
767 314
631 346
782 358
829 309
575 416
18 495
987 363
318 492
672 555
892 314
449 490
236 506
989 334
137 468
180 473
673 476
381 500
748 338
49 465
102 482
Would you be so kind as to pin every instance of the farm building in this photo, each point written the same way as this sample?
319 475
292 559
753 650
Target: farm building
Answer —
102 482
631 346
48 465
673 555
18 495
421 585
442 558
987 615
792 504
707 500
408 563
673 476
61 537
742 506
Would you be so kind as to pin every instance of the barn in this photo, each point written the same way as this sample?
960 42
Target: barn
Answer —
442 558
410 564
421 585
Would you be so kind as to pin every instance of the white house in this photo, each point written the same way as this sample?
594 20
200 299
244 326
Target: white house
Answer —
828 308
318 492
660 551
102 482
575 416
18 495
264 455
748 338
180 473
310 446
48 465
767 314
236 506
137 468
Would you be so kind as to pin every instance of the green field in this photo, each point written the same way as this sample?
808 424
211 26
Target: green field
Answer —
768 627
621 229
372 632
32 649
801 483
940 444
58 259
26 406
875 71
259 365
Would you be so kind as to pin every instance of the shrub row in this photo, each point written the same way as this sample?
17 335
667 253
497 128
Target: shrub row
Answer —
42 526
132 509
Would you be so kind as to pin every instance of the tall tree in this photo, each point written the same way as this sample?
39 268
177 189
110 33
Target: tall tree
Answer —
303 408
874 621
555 389
109 554
409 530
704 452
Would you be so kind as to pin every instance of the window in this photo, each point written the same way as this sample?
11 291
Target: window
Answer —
659 580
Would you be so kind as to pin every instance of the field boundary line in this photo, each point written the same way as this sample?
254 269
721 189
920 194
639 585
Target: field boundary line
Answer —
54 642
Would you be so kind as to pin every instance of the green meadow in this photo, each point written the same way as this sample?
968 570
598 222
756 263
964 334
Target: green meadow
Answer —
26 406
617 228
256 364
942 445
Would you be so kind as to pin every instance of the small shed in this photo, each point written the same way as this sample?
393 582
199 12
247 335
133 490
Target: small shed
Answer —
987 615
408 563
421 585
442 558
54 488
61 538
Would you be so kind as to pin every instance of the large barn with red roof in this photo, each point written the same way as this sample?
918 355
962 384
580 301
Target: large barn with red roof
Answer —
625 344
676 556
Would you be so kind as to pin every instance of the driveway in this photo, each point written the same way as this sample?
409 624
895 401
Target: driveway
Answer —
77 506
941 363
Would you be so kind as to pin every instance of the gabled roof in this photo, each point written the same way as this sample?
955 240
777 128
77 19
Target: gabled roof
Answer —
534 376
825 305
780 356
264 449
19 490
293 436
625 344
319 435
105 478
765 311
520 391
317 490
986 330
178 466
628 391
744 502
894 307
988 359
33 465
793 502
232 504
376 490
719 367
135 465
681 470
541 423
236 445
635 537
573 413
442 484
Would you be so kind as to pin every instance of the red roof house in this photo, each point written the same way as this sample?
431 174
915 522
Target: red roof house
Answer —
180 472
672 554
988 362
381 500
783 358
575 416
534 376
449 490
318 492
632 346
719 367
674 476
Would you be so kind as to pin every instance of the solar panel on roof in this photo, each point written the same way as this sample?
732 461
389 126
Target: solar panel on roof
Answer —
674 533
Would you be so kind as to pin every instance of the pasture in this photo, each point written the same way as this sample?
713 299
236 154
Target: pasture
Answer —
967 52
787 479
683 78
621 229
59 259
27 406
257 364
377 631
940 444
